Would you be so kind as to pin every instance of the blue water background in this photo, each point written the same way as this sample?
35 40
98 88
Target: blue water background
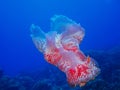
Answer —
100 18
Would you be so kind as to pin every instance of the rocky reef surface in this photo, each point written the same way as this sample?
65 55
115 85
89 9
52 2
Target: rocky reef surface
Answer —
51 78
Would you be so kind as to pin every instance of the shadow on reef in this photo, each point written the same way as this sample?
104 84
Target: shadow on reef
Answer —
53 79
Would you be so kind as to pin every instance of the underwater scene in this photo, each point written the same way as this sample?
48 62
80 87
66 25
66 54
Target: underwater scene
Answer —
60 45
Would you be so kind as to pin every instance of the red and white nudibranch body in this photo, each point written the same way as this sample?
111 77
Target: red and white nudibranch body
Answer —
61 48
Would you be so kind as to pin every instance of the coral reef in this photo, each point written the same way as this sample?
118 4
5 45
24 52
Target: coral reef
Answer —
108 79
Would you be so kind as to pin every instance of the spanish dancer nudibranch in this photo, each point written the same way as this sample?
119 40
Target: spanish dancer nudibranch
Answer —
60 47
